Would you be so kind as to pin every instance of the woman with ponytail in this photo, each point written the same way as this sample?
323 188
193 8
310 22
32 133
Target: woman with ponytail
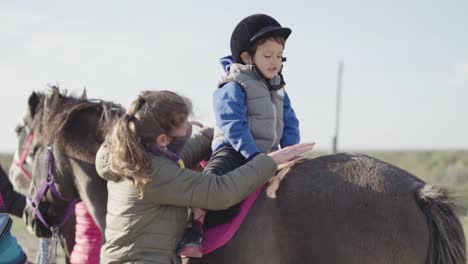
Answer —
144 160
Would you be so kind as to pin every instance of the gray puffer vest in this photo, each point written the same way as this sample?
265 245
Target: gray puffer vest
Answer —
264 107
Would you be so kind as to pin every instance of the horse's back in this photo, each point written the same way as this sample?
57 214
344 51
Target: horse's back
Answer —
350 208
344 208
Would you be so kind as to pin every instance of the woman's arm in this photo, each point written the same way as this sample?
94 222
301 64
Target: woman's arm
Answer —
172 185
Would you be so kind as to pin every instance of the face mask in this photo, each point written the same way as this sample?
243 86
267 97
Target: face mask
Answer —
178 143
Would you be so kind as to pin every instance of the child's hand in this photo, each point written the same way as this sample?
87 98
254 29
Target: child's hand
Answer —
290 153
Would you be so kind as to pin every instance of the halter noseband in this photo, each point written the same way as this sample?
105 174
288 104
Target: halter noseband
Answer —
49 183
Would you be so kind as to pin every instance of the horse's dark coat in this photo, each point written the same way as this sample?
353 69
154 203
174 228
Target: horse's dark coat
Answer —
347 208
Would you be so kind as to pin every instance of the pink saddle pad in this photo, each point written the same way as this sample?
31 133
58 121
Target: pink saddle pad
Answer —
218 236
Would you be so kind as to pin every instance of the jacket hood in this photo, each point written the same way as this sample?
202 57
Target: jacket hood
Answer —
226 63
103 164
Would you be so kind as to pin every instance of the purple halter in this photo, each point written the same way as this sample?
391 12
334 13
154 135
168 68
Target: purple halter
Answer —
49 183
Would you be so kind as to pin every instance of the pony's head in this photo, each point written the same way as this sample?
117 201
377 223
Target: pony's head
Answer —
51 195
67 134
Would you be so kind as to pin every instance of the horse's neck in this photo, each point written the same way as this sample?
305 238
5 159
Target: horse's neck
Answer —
92 190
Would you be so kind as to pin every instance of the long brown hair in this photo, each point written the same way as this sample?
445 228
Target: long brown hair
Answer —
152 114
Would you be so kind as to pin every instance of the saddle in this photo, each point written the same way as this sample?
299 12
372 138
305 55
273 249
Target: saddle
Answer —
219 235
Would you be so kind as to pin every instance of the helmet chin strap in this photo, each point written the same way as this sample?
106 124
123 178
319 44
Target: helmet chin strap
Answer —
273 84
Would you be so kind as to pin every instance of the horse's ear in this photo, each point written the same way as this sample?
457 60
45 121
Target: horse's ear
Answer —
54 93
56 90
33 103
84 95
52 99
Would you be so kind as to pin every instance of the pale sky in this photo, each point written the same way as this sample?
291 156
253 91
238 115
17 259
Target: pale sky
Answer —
405 82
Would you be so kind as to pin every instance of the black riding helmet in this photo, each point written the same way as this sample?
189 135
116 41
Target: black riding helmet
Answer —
251 29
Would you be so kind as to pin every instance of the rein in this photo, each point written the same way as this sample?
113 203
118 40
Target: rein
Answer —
46 184
24 155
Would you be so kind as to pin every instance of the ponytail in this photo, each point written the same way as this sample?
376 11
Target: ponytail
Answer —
128 156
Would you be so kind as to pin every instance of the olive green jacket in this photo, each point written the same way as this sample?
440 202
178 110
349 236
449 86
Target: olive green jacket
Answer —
148 230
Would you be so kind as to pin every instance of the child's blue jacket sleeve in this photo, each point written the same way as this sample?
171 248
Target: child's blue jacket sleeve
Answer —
231 117
291 133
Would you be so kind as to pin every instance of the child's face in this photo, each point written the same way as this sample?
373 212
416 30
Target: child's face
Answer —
269 58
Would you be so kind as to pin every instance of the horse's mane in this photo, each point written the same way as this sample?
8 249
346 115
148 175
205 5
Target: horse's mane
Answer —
57 108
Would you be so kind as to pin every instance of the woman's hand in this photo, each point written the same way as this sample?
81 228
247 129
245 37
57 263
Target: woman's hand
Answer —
290 153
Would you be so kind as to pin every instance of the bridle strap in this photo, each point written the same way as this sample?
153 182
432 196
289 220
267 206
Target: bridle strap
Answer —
49 183
24 156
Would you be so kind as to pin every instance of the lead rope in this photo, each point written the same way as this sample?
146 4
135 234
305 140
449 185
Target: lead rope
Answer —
48 249
43 256
53 248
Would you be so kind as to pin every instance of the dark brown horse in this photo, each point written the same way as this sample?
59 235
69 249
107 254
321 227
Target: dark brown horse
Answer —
71 129
20 176
344 208
41 117
348 208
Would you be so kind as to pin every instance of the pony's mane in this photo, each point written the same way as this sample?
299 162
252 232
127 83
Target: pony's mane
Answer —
56 108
